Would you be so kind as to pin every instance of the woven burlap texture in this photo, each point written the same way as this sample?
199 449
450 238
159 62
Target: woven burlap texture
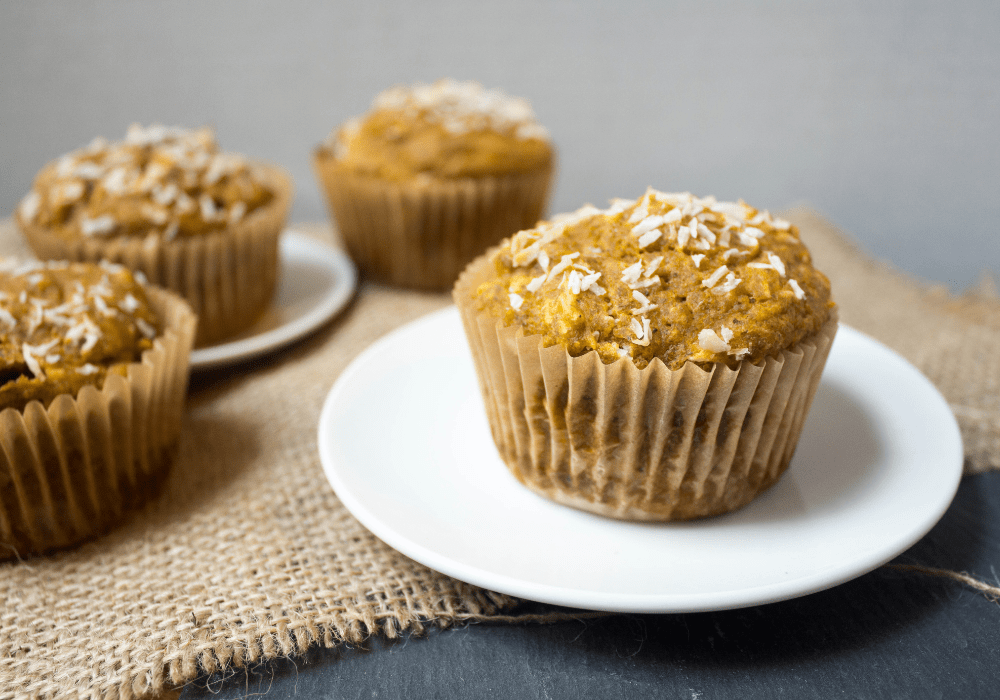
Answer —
248 554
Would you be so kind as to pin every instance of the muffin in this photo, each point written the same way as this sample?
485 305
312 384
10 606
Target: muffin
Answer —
94 372
431 177
651 361
166 202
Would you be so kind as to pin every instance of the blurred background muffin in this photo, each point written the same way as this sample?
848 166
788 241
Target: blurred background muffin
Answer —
93 373
432 176
165 201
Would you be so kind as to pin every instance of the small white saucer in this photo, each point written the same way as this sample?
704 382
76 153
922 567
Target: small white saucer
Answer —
404 441
315 281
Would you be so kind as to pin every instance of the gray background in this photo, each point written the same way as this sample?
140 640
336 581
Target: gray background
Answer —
884 116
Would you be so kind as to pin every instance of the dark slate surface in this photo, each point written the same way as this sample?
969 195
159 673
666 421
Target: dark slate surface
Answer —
885 635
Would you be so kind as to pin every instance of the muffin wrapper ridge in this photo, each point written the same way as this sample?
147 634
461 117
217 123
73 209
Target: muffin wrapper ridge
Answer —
73 470
227 277
423 232
653 444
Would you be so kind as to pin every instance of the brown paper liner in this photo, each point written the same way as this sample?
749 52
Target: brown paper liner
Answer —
653 444
228 277
71 471
423 232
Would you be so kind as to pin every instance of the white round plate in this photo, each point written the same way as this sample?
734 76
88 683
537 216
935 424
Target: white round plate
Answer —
315 281
405 444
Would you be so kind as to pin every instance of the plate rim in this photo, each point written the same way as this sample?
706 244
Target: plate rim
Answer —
334 300
624 602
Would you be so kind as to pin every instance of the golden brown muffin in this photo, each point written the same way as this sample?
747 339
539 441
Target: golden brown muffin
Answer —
432 176
651 361
65 326
167 202
94 371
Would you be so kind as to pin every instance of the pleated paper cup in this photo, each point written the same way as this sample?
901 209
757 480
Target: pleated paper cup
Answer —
73 470
228 277
653 444
421 233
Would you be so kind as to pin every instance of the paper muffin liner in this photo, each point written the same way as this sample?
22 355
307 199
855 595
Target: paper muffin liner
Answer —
422 233
72 471
653 444
228 277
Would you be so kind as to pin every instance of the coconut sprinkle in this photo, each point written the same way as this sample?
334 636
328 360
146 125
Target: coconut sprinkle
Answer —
649 238
29 359
144 328
641 330
515 301
796 289
30 206
776 263
630 275
731 283
709 340
714 278
644 301
97 227
653 266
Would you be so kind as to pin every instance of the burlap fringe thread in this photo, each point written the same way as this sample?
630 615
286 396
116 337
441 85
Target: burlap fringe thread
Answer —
227 277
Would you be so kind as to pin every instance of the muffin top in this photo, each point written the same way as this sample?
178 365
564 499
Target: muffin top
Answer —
158 181
449 129
64 325
669 276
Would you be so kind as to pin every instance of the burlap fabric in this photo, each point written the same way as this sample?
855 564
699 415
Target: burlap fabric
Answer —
248 554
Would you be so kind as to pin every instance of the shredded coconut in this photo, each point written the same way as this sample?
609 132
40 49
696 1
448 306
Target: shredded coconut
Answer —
731 283
563 263
630 275
652 266
776 263
29 359
144 328
796 289
96 227
641 330
697 258
647 224
515 301
709 340
649 237
30 206
573 281
733 252
543 260
713 279
535 284
644 301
